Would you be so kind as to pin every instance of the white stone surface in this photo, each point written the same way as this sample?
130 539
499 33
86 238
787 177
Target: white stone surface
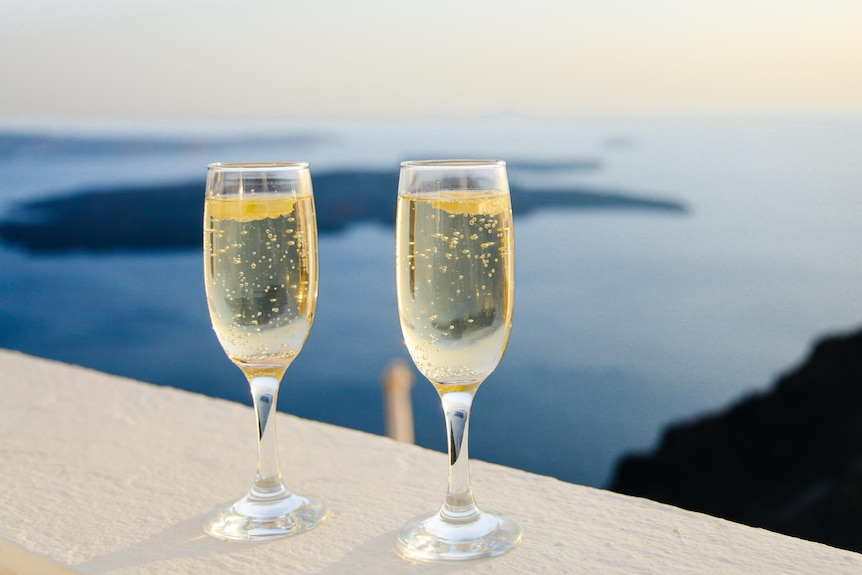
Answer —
107 475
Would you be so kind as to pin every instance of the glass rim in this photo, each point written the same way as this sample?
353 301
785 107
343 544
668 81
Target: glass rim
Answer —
256 166
453 163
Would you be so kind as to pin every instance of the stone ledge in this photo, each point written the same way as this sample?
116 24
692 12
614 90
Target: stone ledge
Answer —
108 475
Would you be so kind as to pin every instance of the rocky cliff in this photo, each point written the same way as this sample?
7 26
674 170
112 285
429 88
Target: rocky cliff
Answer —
788 460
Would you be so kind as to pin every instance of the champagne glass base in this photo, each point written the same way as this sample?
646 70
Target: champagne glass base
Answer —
438 537
255 518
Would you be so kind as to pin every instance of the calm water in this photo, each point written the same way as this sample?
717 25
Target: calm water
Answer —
626 319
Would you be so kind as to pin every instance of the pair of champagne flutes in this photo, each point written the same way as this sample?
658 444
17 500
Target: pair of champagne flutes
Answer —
455 286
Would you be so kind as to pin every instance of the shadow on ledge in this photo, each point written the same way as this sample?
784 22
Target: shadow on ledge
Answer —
789 460
169 217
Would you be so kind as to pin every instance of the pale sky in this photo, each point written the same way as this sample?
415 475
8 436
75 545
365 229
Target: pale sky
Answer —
286 59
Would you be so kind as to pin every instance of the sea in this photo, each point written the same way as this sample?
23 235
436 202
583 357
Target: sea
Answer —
679 265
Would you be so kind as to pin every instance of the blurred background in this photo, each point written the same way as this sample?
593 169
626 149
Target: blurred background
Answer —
231 60
686 180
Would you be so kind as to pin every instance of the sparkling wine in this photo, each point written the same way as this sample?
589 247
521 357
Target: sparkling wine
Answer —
261 277
455 279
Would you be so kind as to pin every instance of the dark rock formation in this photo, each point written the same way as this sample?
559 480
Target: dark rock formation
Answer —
789 460
170 217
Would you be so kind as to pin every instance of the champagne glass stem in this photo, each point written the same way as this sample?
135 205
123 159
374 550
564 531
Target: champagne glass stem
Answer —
459 502
268 481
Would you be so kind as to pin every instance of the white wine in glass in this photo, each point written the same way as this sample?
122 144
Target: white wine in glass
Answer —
261 271
455 282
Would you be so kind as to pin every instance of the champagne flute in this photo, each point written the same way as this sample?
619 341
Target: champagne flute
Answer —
261 268
455 283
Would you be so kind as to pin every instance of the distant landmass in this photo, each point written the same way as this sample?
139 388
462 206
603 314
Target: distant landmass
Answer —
34 145
169 217
789 460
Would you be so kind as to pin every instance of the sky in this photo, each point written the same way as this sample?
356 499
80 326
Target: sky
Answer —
328 59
